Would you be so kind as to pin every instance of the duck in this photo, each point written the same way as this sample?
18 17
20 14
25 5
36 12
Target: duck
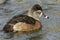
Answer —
26 23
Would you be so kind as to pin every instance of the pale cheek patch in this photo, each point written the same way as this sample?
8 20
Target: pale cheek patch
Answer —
41 14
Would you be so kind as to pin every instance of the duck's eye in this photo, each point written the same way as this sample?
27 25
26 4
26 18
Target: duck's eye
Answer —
38 12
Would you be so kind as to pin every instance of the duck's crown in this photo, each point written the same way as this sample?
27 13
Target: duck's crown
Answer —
36 7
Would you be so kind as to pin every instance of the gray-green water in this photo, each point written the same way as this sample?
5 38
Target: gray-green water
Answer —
51 26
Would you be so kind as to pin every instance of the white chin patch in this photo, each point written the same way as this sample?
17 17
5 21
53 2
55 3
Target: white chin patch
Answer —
46 16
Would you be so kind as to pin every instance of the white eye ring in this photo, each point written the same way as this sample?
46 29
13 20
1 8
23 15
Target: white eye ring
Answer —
41 14
38 12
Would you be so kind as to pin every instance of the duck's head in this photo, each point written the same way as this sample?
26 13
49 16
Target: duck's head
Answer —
36 11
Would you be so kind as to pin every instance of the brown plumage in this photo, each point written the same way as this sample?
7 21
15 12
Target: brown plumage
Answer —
18 18
26 23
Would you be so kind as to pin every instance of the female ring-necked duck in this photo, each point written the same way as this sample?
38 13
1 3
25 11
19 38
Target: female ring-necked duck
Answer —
26 23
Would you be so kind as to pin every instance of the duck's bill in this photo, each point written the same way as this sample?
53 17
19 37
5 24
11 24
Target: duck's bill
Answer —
46 17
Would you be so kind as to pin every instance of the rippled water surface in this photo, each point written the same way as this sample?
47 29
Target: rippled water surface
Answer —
51 26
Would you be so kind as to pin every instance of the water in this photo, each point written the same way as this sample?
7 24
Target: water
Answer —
51 26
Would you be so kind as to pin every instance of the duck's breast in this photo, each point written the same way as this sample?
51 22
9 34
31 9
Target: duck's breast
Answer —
26 27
